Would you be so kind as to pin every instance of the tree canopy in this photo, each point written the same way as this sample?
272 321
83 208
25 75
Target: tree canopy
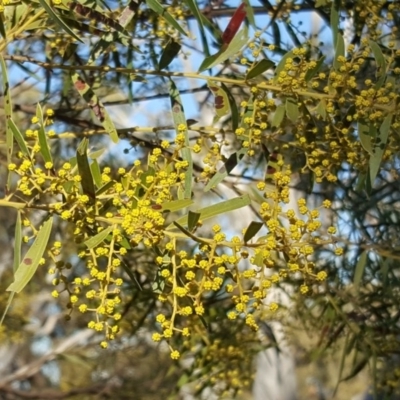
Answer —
177 175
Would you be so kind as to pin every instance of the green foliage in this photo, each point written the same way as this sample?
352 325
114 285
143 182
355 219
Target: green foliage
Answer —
150 240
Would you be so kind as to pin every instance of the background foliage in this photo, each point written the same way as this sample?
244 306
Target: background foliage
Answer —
172 183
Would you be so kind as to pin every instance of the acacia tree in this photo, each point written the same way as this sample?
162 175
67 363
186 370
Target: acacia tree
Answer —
137 238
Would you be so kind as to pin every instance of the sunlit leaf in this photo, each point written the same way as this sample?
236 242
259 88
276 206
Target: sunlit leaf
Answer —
281 65
43 141
279 115
226 51
292 109
99 238
221 101
176 205
85 170
216 209
339 51
163 13
8 112
313 71
178 115
224 171
53 15
95 105
30 261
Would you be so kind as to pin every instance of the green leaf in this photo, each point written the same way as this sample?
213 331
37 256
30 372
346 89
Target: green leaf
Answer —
339 51
279 115
221 100
18 137
312 72
159 282
44 145
96 106
227 51
17 260
281 65
224 171
30 262
335 21
17 242
193 219
232 106
2 28
99 238
380 62
9 114
321 109
360 268
171 50
292 109
379 148
58 20
365 138
252 230
178 115
96 173
162 12
176 205
85 170
259 68
216 209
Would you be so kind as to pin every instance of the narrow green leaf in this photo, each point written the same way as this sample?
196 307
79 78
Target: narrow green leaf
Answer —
379 58
2 27
227 51
18 137
339 51
17 242
45 4
216 209
99 238
379 148
281 65
365 138
9 114
162 12
170 51
279 115
224 171
360 268
176 205
193 219
335 21
292 109
30 262
179 118
312 72
321 109
85 170
96 173
95 105
232 106
44 145
252 230
259 68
